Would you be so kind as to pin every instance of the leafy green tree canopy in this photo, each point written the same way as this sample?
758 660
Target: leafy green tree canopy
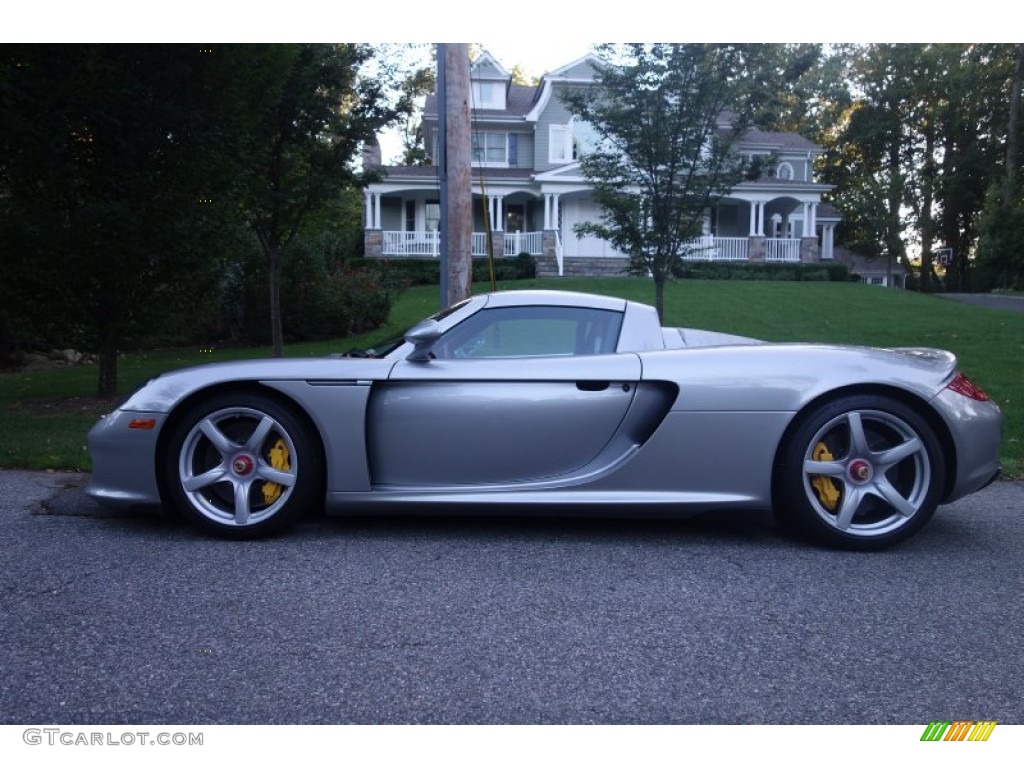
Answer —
665 118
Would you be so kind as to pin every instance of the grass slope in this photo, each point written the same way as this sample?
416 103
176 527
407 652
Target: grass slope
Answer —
44 415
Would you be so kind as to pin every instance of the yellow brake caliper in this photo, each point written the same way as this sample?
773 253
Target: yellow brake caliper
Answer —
279 459
825 486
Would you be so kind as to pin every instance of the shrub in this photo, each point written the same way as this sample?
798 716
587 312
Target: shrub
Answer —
428 271
323 295
724 270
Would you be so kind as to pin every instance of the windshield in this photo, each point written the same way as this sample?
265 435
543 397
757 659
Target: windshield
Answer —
385 348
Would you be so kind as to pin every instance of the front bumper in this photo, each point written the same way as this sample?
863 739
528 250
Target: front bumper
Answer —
124 460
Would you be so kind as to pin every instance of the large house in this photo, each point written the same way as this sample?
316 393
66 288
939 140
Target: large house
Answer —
524 170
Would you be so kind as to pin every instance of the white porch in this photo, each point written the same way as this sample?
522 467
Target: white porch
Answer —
427 244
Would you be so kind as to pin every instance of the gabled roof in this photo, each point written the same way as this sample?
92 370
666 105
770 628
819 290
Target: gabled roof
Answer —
486 67
565 71
779 140
518 103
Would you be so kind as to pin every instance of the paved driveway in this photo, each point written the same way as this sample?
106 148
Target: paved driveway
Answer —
141 620
992 301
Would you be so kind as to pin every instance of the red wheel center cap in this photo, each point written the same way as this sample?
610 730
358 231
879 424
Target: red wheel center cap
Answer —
242 465
859 471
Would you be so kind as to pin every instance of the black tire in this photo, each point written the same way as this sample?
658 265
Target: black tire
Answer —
220 471
861 472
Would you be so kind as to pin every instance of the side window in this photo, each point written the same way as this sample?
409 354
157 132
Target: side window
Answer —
531 332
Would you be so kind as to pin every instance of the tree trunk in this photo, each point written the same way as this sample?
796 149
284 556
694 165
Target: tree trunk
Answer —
274 279
1013 124
659 294
893 229
926 220
107 386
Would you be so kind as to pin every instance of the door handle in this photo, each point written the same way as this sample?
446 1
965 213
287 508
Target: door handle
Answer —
592 386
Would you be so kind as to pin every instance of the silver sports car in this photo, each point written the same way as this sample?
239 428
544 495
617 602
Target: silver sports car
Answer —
546 400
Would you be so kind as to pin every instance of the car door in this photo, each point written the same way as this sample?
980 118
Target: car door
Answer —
512 395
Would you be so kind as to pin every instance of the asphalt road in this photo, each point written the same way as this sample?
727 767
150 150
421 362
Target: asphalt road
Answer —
141 620
990 300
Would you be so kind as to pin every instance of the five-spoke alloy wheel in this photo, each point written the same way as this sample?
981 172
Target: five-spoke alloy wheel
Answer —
860 472
242 465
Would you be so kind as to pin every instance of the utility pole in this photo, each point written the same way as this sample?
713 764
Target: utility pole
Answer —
456 192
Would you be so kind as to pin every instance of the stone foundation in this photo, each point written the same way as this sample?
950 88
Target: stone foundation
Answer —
809 250
582 266
373 243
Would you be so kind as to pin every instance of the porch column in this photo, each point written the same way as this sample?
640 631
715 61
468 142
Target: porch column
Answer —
827 241
760 219
497 213
368 196
812 209
376 211
753 218
551 202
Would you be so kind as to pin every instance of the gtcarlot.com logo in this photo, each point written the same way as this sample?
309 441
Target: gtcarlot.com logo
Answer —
69 738
958 730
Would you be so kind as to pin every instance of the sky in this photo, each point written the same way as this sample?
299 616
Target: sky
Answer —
534 32
539 35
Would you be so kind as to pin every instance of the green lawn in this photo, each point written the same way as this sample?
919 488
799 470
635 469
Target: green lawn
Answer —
42 425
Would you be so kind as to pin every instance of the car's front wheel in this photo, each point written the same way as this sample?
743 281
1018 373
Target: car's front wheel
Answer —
242 465
861 472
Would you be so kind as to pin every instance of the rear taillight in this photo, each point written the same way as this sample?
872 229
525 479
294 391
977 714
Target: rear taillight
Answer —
964 386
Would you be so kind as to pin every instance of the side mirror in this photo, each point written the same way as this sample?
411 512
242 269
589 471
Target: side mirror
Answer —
422 336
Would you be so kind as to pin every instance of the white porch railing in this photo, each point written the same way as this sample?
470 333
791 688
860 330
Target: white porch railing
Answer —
411 243
530 242
782 249
711 248
415 244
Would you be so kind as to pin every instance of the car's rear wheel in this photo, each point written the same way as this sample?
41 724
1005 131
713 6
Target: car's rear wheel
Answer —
861 472
242 465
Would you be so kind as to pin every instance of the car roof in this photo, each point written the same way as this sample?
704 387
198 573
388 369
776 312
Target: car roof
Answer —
554 299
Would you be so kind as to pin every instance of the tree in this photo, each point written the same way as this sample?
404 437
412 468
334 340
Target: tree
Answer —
663 153
520 76
915 150
316 115
414 87
116 168
1001 247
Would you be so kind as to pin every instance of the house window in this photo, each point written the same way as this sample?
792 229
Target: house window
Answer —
559 144
488 95
490 148
433 215
571 141
785 172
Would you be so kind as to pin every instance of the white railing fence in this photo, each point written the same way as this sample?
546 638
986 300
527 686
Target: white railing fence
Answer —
411 243
781 249
706 248
711 248
428 243
518 242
